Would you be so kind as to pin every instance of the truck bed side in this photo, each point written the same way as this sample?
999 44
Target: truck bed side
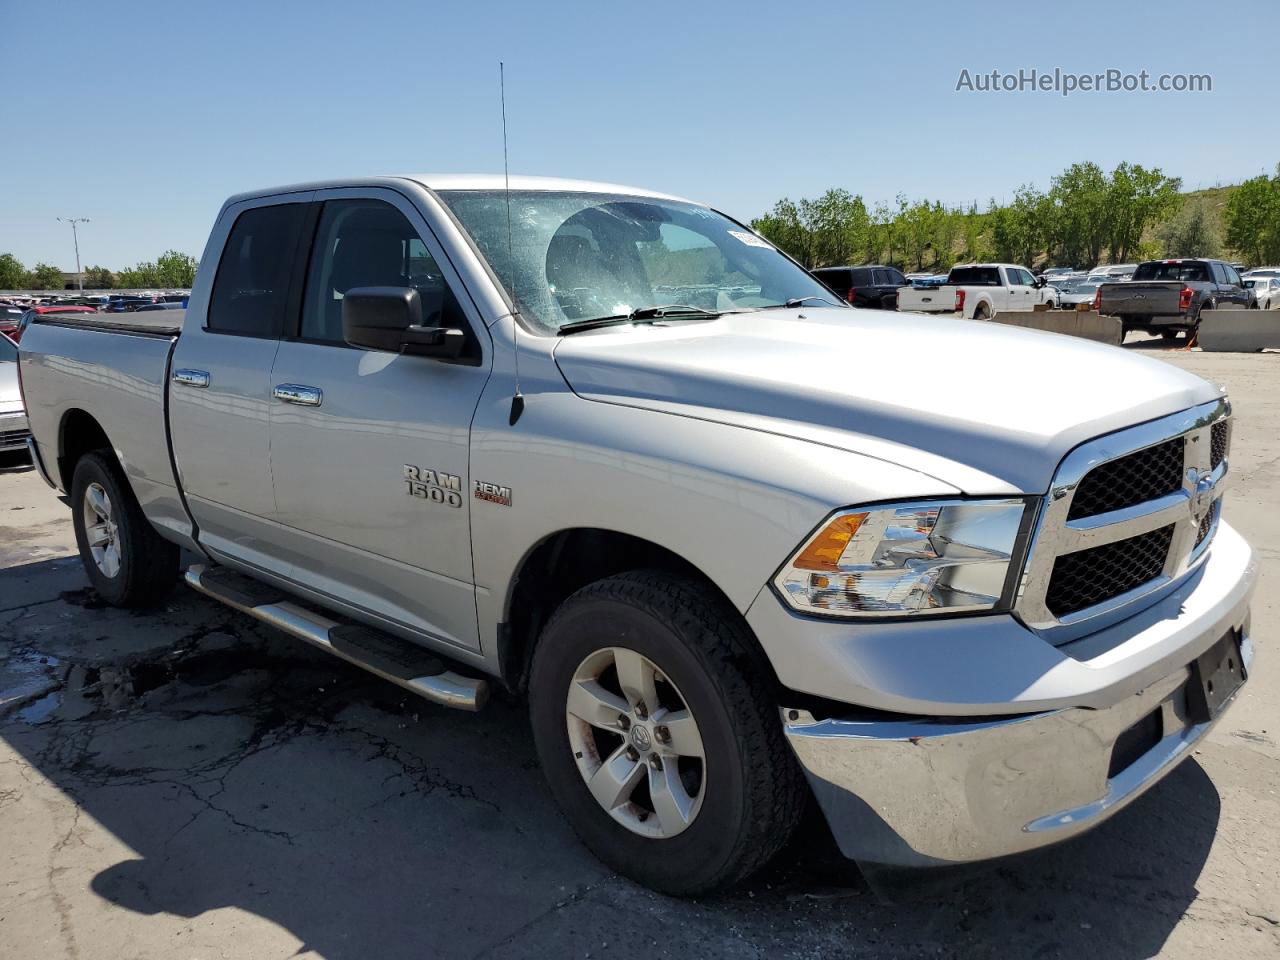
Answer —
78 374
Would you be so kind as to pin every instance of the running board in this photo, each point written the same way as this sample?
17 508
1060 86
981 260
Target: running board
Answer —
399 661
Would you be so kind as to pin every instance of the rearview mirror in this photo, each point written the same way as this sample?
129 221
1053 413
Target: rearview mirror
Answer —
390 319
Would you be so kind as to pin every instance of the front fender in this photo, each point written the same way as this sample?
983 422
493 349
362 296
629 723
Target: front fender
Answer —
732 501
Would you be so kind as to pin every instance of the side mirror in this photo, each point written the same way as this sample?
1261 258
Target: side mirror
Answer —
390 319
1041 282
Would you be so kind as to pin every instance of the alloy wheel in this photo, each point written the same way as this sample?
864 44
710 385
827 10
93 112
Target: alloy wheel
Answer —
636 742
100 530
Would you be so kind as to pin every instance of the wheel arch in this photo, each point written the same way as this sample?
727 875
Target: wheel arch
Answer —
79 432
565 561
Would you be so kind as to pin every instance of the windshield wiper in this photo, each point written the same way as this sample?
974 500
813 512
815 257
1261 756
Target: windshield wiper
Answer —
639 315
797 302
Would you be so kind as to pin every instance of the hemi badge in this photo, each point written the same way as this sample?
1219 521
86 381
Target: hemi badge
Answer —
493 493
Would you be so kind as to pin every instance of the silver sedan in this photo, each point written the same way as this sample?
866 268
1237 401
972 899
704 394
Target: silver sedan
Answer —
1266 291
13 418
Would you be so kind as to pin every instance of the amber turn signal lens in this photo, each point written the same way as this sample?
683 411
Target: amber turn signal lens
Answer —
824 550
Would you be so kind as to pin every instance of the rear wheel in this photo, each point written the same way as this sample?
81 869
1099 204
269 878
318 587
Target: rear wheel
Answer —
982 313
128 563
659 733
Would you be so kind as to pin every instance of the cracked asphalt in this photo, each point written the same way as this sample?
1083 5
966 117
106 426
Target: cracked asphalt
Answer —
187 783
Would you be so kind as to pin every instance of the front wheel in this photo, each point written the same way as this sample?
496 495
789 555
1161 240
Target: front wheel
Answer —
128 563
659 733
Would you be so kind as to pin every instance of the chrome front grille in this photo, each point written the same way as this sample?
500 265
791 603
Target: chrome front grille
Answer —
1132 479
1219 440
1088 577
1126 515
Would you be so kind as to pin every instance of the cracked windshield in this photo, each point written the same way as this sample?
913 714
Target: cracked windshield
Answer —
582 256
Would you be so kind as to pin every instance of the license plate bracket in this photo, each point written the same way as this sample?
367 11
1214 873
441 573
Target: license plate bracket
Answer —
1216 675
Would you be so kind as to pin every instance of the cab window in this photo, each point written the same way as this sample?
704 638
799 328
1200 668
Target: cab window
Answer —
251 289
369 243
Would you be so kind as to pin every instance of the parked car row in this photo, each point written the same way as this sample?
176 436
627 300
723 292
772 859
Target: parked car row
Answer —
980 290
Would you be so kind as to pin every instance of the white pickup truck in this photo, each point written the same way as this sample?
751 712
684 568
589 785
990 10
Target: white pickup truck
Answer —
978 291
739 549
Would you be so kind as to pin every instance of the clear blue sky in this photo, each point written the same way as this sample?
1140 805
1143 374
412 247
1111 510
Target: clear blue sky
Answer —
143 116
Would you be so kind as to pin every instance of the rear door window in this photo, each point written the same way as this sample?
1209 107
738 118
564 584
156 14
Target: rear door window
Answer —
251 289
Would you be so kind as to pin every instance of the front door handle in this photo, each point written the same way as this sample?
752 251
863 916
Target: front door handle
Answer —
191 378
298 393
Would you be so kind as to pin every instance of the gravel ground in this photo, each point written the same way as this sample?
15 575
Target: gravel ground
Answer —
186 783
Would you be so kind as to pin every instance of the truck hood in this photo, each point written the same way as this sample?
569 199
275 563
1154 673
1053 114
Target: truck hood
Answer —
982 407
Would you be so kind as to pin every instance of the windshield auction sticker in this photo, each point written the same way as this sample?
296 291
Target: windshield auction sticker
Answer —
750 239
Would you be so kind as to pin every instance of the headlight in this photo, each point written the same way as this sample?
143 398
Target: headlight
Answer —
909 559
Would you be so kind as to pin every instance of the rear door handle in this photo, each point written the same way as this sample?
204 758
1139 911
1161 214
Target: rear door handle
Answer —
191 378
298 393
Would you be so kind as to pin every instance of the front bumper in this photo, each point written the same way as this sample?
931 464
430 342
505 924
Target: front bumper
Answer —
917 791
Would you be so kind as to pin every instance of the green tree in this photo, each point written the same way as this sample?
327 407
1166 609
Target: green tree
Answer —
1252 218
917 225
174 269
1191 232
143 275
45 277
948 227
13 274
975 228
782 227
1018 231
98 278
821 232
1079 195
1137 198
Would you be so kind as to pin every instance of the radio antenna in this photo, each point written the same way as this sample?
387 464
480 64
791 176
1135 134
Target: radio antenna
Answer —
517 401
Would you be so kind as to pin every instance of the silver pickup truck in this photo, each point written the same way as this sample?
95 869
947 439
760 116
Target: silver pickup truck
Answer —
736 542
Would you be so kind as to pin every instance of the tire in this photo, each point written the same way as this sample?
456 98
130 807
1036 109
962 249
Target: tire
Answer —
133 566
744 799
983 312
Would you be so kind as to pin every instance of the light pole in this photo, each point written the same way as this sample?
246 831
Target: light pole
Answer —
76 240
